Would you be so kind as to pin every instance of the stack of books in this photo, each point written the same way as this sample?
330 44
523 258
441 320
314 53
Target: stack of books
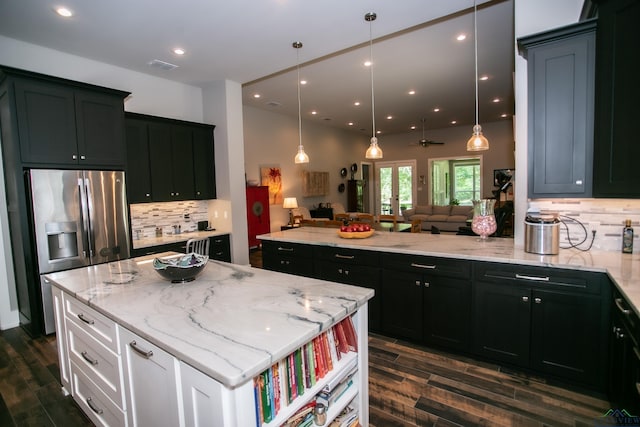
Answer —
286 380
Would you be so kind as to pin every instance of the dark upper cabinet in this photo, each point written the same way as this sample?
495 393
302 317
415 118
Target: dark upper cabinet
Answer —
138 172
204 173
169 160
63 125
561 79
616 150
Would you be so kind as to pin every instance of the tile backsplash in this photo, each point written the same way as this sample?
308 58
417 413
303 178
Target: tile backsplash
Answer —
606 216
147 216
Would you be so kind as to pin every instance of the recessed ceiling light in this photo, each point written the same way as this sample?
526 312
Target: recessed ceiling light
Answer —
367 63
63 11
483 78
378 132
435 110
178 51
412 127
314 112
461 37
389 117
256 95
453 122
412 92
504 115
357 103
350 124
303 82
496 100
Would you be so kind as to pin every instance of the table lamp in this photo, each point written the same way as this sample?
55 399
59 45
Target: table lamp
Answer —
290 203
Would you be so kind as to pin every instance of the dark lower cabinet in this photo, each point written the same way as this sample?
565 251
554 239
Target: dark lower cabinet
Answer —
624 376
352 267
292 258
554 321
220 248
427 299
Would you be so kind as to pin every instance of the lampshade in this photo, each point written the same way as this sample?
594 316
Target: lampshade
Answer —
477 142
301 156
290 203
374 151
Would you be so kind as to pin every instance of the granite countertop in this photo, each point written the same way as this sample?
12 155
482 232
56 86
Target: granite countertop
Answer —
165 239
231 323
623 269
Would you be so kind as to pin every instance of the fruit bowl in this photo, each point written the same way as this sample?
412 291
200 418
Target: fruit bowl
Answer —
181 269
355 234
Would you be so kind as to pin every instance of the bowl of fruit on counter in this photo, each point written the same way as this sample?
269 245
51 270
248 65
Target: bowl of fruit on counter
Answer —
355 231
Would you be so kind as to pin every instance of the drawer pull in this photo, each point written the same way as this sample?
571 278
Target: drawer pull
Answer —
144 353
636 352
537 278
537 300
621 308
82 317
430 267
86 357
344 256
525 299
93 406
280 248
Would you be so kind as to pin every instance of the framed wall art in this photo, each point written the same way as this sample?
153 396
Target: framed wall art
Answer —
271 176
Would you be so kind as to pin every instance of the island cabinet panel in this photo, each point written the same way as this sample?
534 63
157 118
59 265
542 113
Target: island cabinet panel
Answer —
552 320
220 248
427 299
151 383
624 377
60 124
352 267
617 93
287 257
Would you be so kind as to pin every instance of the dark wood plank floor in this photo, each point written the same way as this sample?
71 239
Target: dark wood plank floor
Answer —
409 385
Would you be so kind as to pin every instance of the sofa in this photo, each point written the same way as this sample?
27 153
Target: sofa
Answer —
445 218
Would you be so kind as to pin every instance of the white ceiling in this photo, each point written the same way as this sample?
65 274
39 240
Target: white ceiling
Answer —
247 40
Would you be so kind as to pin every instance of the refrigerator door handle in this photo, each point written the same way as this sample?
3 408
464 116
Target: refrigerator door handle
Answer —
84 217
90 230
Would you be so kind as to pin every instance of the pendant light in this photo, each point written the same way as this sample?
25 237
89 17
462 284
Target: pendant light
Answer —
301 156
477 142
374 151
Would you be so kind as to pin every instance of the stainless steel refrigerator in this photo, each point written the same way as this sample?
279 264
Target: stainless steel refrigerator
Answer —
80 218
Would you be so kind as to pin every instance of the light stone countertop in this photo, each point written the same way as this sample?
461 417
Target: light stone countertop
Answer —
146 242
623 269
232 322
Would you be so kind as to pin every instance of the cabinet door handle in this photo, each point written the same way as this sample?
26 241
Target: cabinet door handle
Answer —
93 406
621 308
525 299
82 317
280 248
144 353
344 256
537 278
430 267
74 157
418 283
638 388
537 300
427 284
86 357
82 157
636 352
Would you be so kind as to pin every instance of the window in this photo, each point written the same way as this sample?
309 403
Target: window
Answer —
455 180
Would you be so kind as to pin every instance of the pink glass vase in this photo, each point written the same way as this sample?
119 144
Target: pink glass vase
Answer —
484 221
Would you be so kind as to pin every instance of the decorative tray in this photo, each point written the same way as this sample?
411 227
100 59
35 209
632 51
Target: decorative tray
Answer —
355 234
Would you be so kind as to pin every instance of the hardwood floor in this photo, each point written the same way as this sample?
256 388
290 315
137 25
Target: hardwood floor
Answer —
409 385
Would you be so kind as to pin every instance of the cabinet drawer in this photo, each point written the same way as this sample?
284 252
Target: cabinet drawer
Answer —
95 324
219 248
100 364
347 256
94 403
429 265
539 277
288 249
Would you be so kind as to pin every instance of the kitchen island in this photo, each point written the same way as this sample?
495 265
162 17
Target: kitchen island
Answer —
223 329
552 315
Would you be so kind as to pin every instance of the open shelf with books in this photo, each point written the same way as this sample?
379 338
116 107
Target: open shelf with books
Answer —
314 384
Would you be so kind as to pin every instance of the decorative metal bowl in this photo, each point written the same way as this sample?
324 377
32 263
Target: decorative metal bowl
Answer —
181 269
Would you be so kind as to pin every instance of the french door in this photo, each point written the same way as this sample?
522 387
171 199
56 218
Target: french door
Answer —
395 187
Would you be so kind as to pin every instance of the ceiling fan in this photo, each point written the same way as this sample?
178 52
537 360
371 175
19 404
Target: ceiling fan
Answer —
424 142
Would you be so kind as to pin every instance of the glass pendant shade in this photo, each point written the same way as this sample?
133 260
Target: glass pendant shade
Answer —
477 142
374 151
301 157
